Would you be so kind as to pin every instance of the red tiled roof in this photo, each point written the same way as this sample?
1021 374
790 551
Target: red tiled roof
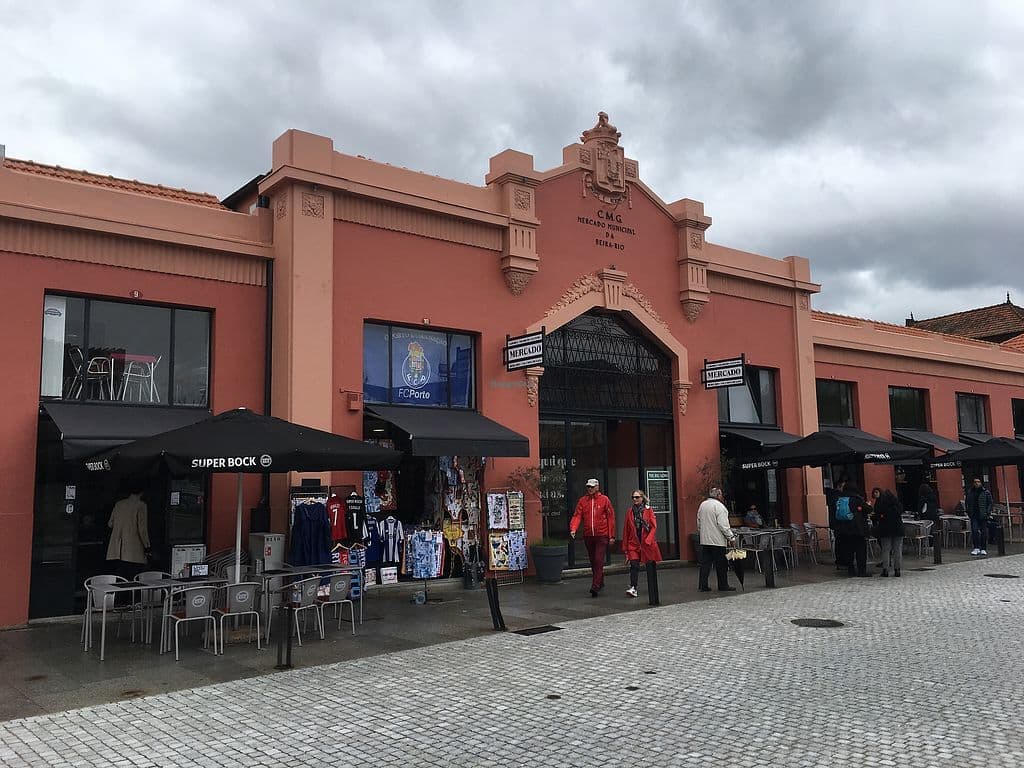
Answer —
1016 343
111 182
982 323
832 317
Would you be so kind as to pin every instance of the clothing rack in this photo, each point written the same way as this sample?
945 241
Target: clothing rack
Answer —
501 577
422 598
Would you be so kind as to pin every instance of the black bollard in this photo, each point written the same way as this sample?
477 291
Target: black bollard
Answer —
1000 540
284 636
652 583
937 547
492 603
769 566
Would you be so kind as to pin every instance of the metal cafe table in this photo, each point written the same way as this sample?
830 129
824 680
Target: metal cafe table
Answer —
294 573
131 587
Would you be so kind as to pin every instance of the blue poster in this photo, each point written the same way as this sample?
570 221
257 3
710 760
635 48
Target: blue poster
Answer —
419 367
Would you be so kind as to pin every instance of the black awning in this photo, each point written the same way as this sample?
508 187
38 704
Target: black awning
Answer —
974 438
449 432
88 428
760 439
928 440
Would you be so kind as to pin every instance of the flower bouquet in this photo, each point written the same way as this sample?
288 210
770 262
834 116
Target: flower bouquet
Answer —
737 558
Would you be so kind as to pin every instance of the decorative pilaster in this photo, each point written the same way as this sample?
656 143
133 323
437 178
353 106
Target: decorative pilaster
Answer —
533 384
691 223
513 175
682 396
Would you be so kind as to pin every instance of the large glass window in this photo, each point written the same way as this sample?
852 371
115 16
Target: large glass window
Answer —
970 413
907 408
416 366
752 403
113 351
835 403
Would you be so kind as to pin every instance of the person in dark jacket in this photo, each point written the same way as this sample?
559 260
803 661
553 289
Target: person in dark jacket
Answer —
854 530
979 505
889 528
928 508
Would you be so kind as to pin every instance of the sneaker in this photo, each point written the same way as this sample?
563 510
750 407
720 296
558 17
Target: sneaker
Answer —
631 591
975 551
983 552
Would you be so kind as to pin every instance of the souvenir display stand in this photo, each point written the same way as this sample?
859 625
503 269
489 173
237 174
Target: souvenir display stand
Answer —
506 535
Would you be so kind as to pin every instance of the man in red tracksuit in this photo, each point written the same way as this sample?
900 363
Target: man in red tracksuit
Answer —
594 511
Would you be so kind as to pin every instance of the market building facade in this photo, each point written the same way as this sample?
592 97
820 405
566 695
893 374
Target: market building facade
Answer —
377 302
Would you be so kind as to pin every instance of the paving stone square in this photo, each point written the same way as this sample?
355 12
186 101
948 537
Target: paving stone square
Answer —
924 673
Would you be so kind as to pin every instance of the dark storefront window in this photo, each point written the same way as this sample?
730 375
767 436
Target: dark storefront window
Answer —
753 403
835 403
970 413
416 366
1018 418
907 408
111 351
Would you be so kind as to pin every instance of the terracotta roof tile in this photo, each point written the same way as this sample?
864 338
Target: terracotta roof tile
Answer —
111 182
831 317
1016 343
981 323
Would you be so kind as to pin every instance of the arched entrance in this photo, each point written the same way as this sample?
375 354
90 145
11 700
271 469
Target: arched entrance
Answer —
606 407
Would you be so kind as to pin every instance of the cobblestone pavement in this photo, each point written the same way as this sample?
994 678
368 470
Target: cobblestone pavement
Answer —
925 672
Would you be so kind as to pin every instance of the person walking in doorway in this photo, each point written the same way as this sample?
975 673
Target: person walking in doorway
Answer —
639 540
979 505
715 536
595 514
129 535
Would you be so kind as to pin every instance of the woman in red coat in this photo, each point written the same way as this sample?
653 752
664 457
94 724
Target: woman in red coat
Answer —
639 542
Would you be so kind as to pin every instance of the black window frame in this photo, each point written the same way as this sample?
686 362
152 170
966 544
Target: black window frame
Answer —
1017 412
980 403
174 308
921 424
752 381
449 333
847 388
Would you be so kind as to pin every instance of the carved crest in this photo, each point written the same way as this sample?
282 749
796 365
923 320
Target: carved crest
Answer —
607 180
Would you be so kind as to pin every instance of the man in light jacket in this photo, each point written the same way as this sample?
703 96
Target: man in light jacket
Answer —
595 514
715 535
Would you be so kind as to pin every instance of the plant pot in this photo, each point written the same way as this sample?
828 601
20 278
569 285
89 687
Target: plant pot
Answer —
548 562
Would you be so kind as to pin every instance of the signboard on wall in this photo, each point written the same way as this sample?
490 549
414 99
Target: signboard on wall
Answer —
723 373
659 490
524 351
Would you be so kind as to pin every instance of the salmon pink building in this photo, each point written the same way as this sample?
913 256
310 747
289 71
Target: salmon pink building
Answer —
378 302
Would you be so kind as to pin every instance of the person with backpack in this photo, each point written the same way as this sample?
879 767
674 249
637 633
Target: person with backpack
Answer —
852 529
889 529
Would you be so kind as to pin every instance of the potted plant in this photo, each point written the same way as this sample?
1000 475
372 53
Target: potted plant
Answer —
547 485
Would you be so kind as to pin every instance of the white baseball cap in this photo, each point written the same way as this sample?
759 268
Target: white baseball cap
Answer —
592 482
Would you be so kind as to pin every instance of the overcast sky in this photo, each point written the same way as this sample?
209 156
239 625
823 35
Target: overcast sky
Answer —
882 140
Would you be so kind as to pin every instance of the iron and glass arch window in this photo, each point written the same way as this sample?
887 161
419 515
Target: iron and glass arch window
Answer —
407 365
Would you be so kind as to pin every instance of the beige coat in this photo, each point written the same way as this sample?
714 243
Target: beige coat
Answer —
713 523
129 530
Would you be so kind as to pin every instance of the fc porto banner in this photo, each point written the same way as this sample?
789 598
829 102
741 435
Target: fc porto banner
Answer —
723 373
419 367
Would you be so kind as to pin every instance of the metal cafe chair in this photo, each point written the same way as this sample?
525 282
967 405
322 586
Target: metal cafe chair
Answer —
187 605
95 597
150 599
802 542
299 596
917 531
953 527
239 599
339 595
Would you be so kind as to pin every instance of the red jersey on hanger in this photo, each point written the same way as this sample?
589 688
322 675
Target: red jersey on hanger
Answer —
336 514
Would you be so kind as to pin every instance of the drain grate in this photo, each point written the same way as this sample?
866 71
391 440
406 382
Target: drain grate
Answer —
817 623
650 672
1002 576
537 630
36 678
552 696
632 687
922 569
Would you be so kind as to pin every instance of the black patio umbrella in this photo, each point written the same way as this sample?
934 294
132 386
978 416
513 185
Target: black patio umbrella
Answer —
827 447
995 452
244 442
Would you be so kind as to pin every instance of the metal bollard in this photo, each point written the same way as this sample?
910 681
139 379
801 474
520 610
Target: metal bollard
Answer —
769 566
492 603
285 662
937 549
653 597
1000 540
